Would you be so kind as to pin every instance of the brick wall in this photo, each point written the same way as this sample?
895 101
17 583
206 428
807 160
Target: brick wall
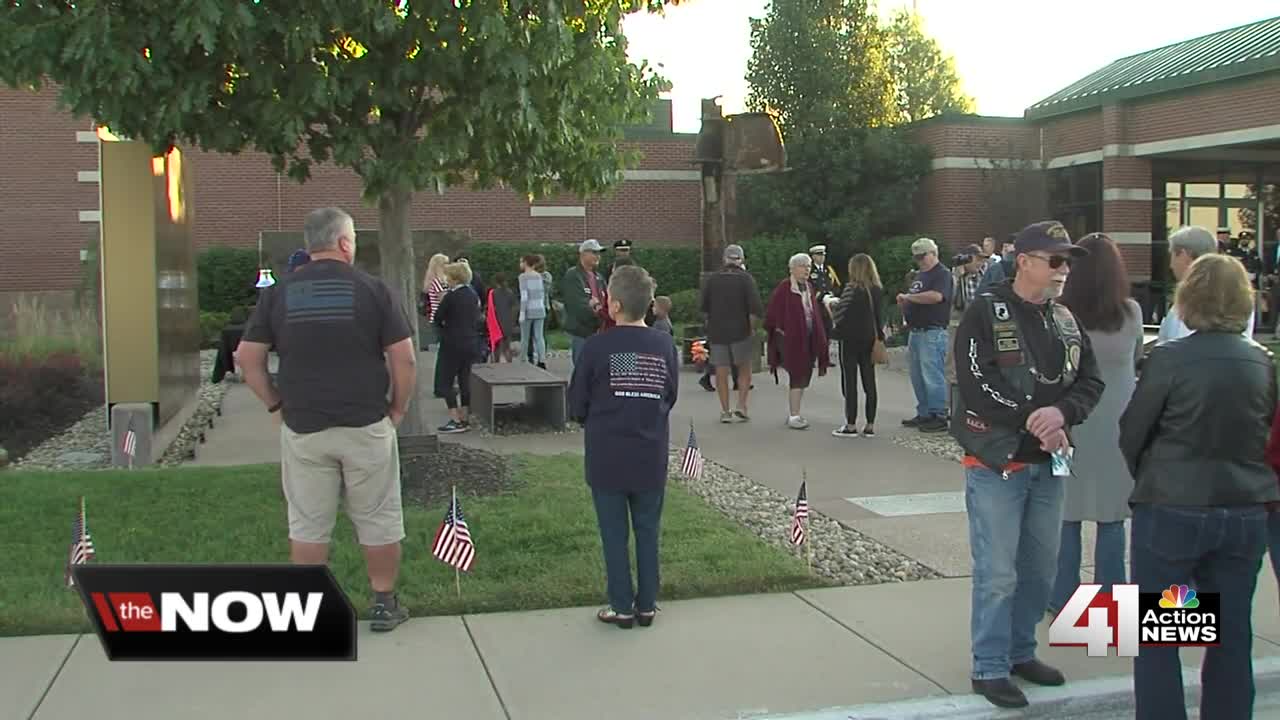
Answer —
1071 134
41 200
1209 109
979 137
236 197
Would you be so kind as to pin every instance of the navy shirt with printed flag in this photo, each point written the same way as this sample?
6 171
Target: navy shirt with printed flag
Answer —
623 388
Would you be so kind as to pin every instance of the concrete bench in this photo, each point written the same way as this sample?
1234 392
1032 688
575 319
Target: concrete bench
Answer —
544 392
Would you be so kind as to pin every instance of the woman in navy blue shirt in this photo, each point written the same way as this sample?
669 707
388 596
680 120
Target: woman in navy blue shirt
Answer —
624 385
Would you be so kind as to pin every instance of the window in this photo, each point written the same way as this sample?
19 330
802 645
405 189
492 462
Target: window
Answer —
1075 198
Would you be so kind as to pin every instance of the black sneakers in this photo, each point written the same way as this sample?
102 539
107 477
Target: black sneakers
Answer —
453 426
934 424
385 618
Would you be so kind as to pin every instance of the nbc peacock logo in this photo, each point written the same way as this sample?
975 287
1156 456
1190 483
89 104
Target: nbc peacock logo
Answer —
1179 596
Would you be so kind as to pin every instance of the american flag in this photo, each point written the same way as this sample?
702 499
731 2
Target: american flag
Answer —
81 550
638 375
802 514
453 540
692 464
130 444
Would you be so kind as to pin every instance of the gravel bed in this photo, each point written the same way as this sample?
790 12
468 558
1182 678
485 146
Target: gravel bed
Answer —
86 445
939 444
840 554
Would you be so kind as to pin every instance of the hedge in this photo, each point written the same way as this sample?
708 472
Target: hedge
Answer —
226 278
675 268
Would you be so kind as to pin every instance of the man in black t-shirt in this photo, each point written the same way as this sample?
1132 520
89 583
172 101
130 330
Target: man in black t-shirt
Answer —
345 345
926 308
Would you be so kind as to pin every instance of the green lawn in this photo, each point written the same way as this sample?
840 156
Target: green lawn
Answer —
537 548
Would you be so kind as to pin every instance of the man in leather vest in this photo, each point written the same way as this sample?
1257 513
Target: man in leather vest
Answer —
1026 375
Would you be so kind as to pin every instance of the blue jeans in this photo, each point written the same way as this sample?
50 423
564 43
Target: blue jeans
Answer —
1108 560
927 350
645 510
575 347
531 332
1014 529
1214 550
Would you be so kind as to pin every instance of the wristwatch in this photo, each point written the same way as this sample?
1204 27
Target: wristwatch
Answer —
275 407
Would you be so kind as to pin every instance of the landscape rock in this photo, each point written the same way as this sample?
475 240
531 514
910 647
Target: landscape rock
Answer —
840 553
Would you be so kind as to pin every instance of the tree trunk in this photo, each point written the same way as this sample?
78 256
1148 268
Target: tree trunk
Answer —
399 270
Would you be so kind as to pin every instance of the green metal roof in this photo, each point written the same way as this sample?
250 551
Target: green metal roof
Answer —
1228 54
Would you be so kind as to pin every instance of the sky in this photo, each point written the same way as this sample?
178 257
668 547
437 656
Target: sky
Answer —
1009 53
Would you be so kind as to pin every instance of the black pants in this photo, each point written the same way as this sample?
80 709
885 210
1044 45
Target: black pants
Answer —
855 360
454 364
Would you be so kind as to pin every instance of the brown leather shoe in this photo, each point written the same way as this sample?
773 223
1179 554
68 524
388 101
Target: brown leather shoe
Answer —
1000 692
1037 672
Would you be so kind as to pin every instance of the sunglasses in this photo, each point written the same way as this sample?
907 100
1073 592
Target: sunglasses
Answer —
1055 261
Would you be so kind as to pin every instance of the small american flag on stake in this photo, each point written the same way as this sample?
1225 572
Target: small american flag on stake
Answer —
453 540
691 466
801 515
81 550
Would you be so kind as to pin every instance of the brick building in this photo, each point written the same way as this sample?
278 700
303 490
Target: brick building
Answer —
49 207
1172 136
1176 135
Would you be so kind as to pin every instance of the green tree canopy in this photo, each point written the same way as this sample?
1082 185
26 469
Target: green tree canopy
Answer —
925 79
820 64
409 94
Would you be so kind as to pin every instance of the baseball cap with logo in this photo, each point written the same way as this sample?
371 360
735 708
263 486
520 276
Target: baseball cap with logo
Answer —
733 253
592 245
1047 236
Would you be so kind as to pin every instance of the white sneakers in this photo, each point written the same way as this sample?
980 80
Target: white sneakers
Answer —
797 422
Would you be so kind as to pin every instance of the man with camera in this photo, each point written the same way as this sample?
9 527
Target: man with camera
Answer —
966 277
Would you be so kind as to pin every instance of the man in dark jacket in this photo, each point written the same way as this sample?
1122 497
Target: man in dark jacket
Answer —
585 297
731 309
1026 375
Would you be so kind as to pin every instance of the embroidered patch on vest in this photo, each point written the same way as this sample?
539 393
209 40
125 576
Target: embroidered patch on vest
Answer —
1007 344
976 424
1009 359
1001 310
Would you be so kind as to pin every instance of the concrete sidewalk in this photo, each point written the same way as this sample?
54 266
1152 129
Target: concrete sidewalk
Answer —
821 654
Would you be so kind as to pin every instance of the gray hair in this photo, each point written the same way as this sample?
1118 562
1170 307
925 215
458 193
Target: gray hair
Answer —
799 259
632 287
1194 241
324 227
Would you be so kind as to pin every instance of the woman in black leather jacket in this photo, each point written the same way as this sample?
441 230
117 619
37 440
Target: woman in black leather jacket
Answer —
1194 436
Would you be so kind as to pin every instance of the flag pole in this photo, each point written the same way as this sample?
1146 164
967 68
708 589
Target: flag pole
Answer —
808 525
457 574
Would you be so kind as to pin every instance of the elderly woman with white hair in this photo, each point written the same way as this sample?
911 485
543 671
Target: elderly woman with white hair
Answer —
796 335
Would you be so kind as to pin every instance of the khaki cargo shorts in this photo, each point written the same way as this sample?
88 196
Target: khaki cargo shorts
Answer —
358 464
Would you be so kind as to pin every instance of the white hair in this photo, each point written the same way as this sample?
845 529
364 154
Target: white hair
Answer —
1194 241
324 227
800 259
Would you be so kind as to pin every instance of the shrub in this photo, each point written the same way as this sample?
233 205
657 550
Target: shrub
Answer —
40 396
767 257
674 268
211 324
40 332
226 278
893 261
684 308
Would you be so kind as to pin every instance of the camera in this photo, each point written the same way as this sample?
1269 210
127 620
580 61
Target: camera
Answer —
961 259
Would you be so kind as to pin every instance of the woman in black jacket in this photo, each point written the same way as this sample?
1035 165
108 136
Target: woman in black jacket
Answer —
857 326
458 318
1194 436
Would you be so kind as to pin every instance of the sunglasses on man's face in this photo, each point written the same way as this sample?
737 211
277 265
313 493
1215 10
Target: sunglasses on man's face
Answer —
1055 261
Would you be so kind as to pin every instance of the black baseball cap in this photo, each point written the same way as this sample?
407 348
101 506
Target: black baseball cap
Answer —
1046 236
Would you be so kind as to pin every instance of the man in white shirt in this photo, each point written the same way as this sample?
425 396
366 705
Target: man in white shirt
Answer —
1185 246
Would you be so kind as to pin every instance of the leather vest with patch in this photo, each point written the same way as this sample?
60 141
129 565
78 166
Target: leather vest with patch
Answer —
995 446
